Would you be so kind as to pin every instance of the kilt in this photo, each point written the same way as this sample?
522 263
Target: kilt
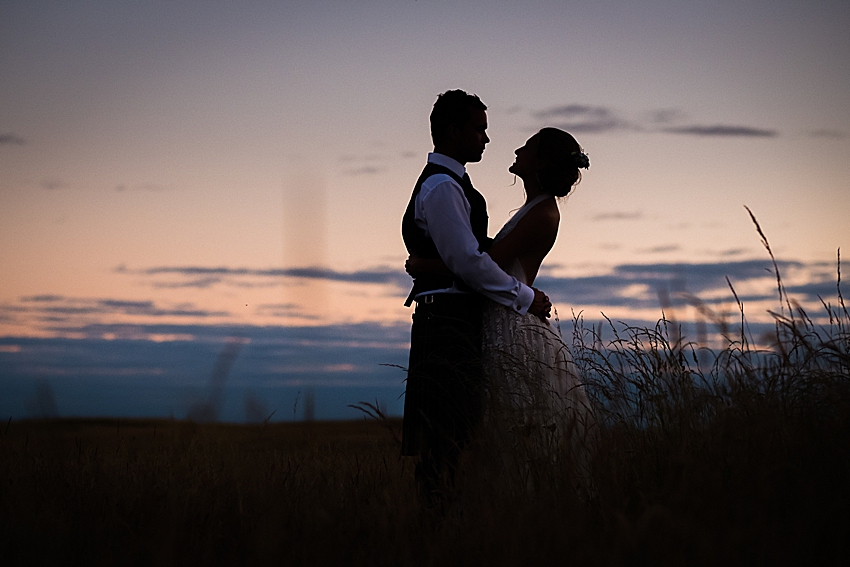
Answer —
444 395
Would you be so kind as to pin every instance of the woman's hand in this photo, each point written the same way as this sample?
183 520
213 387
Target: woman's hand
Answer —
413 266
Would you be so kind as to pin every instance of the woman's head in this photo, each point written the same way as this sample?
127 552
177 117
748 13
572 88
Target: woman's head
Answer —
552 158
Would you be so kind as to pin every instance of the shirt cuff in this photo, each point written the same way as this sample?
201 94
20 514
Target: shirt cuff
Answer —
523 299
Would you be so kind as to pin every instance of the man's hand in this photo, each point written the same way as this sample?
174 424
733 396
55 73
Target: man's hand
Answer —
541 306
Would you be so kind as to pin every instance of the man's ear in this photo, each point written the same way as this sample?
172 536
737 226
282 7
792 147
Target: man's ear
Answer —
452 132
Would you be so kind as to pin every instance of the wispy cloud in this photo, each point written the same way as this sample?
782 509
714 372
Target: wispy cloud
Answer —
171 348
42 298
52 184
828 133
59 306
636 285
585 118
661 249
198 283
626 287
149 187
616 288
156 377
283 311
618 216
365 170
582 118
722 130
202 276
666 116
368 164
11 140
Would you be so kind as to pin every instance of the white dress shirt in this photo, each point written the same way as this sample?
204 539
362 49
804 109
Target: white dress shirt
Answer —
441 209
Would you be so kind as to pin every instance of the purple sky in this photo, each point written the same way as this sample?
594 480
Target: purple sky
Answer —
170 169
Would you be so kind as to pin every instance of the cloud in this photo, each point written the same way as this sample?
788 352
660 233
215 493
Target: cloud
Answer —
201 276
148 308
198 283
283 310
158 366
661 249
636 285
722 131
822 289
370 164
828 133
52 184
11 140
666 116
130 374
618 215
626 285
61 309
365 170
582 118
42 298
150 187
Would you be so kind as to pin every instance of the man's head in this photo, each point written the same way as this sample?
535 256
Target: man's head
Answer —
459 126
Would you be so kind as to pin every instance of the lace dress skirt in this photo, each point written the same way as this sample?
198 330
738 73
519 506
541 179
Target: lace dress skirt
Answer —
537 408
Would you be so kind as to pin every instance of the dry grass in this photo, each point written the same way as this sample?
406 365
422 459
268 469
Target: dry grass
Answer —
744 460
735 457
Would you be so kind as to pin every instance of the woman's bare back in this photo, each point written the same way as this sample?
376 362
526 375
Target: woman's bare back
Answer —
524 246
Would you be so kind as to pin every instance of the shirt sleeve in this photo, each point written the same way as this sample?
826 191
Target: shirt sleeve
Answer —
445 212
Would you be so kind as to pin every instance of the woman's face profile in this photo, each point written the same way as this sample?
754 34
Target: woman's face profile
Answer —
526 162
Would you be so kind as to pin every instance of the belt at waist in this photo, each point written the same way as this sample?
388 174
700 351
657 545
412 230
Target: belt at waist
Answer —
423 285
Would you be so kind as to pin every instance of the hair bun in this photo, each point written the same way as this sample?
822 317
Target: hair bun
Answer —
581 159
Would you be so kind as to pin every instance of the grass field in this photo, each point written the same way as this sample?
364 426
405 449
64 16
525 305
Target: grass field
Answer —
762 487
734 457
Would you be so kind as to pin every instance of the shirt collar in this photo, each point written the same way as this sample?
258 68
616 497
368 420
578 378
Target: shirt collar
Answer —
450 163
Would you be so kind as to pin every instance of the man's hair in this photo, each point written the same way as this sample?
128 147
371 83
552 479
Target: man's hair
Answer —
452 108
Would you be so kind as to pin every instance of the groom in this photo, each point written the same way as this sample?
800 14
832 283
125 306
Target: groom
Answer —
446 218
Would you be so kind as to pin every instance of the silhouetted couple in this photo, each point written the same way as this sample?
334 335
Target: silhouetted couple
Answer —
483 354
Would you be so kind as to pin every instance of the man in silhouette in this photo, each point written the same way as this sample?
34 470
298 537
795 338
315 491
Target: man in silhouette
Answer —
446 219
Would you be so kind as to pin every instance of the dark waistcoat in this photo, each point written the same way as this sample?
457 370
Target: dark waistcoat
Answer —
420 244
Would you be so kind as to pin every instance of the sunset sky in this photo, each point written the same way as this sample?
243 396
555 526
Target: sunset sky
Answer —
176 174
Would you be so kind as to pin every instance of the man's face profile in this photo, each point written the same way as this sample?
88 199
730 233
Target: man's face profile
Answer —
471 138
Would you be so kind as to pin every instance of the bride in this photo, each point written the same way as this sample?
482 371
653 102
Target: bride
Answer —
538 409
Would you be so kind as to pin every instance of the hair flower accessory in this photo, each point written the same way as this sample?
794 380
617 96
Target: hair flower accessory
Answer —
581 159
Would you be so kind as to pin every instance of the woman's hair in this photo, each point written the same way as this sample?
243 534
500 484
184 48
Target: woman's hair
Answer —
562 156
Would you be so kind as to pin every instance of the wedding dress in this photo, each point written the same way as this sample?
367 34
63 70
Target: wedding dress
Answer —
538 410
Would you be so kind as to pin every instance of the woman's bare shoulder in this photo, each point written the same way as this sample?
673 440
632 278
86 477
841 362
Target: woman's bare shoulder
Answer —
544 215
